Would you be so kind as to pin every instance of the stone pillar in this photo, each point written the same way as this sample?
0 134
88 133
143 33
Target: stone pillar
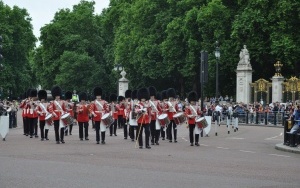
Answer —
277 88
243 77
243 80
123 84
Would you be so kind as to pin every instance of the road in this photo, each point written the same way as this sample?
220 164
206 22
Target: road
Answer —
246 158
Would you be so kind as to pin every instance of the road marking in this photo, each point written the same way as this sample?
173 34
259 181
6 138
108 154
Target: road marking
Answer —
273 137
222 148
235 138
279 155
184 139
247 151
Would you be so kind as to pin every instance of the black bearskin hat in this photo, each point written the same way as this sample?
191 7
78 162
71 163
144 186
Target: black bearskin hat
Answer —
128 93
171 93
97 91
134 94
42 94
152 91
33 93
82 96
68 95
158 96
143 93
28 92
120 98
113 97
56 91
192 96
164 94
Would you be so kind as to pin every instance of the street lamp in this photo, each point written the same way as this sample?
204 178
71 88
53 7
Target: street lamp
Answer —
217 55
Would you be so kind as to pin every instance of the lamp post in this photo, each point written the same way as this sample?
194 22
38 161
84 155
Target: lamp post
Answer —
217 55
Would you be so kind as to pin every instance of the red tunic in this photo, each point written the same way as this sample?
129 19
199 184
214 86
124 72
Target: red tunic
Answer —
173 109
56 109
189 111
99 110
31 109
143 113
156 110
41 111
83 112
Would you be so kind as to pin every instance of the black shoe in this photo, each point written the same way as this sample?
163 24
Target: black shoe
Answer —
36 136
116 135
175 141
132 140
170 140
110 135
63 141
192 144
81 139
125 138
228 132
66 134
87 139
148 147
197 144
141 147
57 142
103 142
216 134
152 143
47 138
163 138
97 142
237 129
156 143
70 133
234 130
42 139
30 136
24 134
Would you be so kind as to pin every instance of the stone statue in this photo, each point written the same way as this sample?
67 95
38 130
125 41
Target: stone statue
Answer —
244 56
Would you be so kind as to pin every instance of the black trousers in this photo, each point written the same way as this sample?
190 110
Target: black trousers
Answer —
57 132
169 130
25 125
97 129
120 121
113 127
86 129
162 132
140 133
32 126
131 131
154 133
191 131
42 127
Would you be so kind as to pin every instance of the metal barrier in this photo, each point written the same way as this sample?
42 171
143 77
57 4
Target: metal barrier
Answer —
259 118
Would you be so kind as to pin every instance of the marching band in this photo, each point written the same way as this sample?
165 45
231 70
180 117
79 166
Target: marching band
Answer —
157 114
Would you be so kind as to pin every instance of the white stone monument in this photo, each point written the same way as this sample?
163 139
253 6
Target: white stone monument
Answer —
243 77
123 83
277 81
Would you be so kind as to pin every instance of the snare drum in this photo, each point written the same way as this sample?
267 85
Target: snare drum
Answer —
49 119
179 118
201 122
107 119
67 119
163 120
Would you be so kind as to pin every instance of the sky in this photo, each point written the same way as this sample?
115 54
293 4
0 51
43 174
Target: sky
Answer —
42 11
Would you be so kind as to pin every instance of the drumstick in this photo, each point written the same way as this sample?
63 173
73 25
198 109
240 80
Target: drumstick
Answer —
137 139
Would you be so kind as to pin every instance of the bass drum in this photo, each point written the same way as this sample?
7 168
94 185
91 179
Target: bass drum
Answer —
49 119
67 119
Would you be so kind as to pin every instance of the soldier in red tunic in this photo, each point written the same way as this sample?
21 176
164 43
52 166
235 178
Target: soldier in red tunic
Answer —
32 115
155 112
98 108
70 109
143 117
57 108
173 109
112 108
83 116
42 112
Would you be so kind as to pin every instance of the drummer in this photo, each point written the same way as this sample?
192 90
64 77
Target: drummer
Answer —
192 111
98 108
42 112
69 108
172 110
82 110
